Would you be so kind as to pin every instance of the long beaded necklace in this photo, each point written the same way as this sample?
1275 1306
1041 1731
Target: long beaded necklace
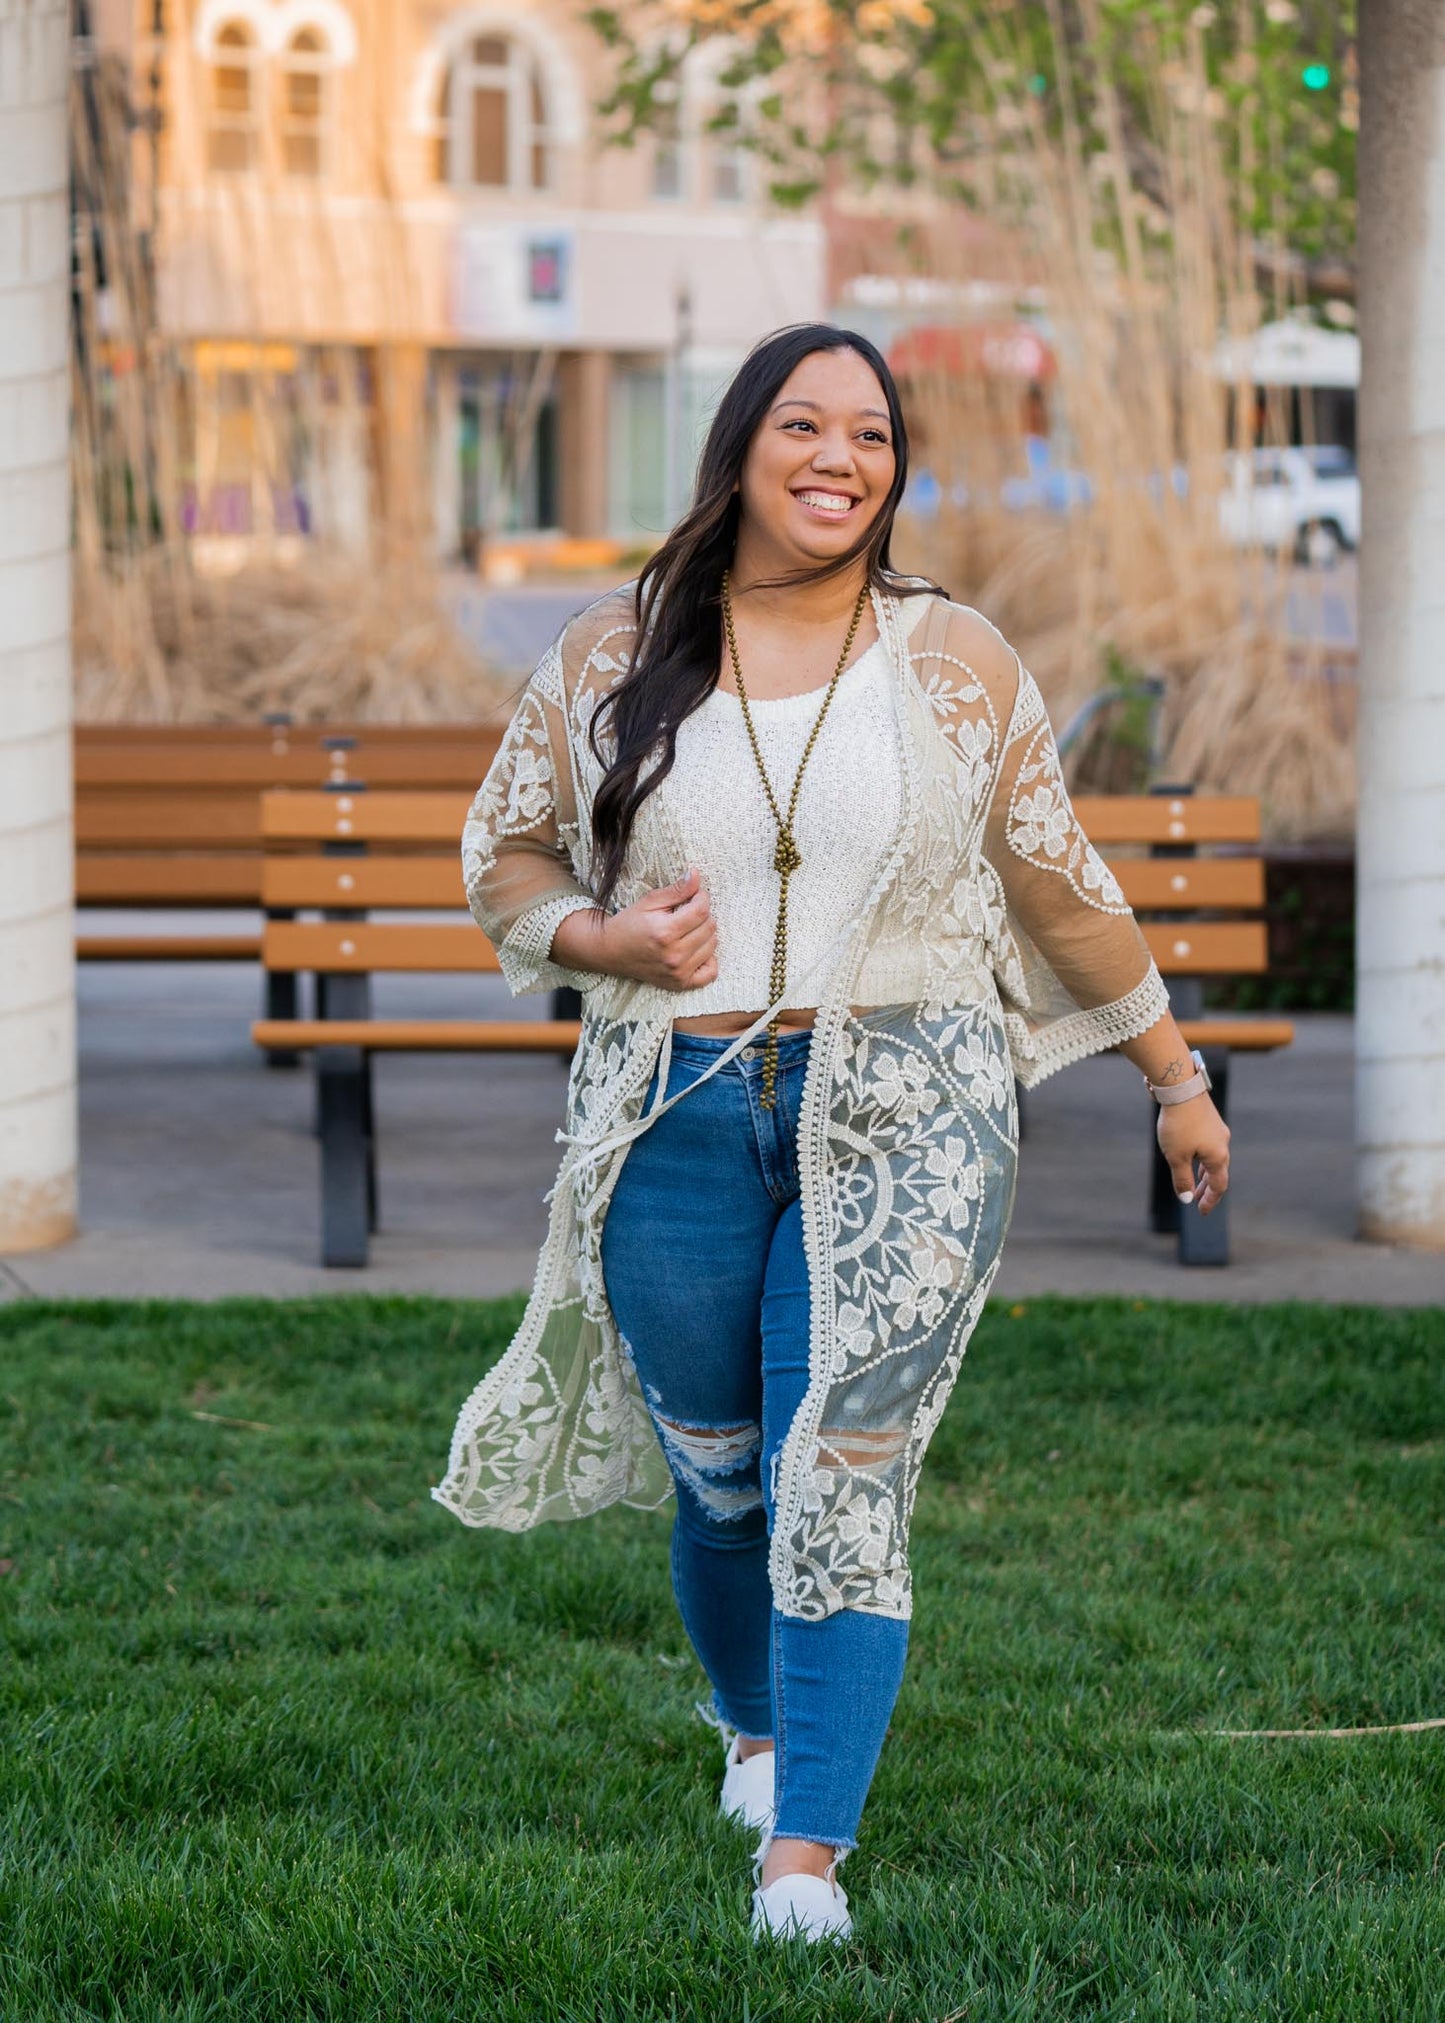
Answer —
787 857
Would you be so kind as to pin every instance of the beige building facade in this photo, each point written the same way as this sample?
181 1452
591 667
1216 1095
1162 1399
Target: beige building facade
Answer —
407 208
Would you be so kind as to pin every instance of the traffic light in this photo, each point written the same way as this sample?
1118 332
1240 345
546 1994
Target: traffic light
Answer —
1315 76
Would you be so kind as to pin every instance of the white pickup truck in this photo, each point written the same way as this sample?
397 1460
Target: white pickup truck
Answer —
1304 500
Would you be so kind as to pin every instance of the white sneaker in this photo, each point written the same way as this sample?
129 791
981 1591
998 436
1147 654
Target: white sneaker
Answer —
801 1907
747 1788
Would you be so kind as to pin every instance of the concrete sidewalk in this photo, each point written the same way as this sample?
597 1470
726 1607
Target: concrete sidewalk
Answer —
199 1171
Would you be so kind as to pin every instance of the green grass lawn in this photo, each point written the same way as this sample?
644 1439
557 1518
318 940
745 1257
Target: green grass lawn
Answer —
283 1740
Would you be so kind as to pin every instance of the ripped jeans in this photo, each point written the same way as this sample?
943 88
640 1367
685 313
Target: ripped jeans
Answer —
702 1253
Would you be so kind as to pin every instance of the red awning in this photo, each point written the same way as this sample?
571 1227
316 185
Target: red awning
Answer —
1001 350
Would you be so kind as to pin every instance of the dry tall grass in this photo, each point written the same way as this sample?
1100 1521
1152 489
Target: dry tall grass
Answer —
1137 295
323 638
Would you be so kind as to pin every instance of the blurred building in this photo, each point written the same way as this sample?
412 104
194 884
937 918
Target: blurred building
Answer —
382 219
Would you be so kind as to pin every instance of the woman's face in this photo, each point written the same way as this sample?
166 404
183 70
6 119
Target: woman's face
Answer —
820 466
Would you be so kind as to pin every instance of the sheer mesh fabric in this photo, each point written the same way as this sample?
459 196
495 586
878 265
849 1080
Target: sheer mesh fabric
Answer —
521 839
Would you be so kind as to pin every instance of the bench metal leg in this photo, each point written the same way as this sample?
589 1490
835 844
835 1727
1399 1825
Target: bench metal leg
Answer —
346 1126
283 1001
1164 1206
368 1122
1204 1239
345 1155
341 995
566 1004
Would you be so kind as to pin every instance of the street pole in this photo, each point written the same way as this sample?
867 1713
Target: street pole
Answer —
678 443
1400 1071
37 936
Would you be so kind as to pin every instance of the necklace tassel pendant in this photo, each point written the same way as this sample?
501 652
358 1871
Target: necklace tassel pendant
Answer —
787 858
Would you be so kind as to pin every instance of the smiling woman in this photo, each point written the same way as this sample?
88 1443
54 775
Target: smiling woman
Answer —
826 453
796 827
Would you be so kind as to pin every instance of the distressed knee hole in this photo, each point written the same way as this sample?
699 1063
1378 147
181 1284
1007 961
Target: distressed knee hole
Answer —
717 1463
868 1452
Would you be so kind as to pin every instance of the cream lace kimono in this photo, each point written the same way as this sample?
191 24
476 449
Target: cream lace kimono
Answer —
908 1129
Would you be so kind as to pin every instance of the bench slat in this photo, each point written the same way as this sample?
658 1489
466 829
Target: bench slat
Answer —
1162 818
1192 948
445 1036
436 881
146 769
1208 947
207 819
1244 1035
365 817
140 878
91 737
368 945
141 769
168 947
363 881
1165 883
462 767
244 878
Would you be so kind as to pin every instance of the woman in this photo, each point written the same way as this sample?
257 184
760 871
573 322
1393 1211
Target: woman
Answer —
795 827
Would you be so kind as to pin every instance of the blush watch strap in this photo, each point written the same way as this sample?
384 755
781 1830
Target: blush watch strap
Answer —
1198 1084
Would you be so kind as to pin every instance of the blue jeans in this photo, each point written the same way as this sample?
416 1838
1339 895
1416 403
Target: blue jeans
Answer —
702 1253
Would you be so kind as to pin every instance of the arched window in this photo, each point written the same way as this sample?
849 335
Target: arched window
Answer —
234 132
304 114
494 131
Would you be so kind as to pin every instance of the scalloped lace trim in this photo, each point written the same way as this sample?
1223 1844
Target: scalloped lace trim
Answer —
1037 1056
524 954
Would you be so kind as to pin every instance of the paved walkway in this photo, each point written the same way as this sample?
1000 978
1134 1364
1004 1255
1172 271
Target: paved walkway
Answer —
199 1173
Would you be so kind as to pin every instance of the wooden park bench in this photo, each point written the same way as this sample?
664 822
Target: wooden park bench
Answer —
168 816
1200 916
346 855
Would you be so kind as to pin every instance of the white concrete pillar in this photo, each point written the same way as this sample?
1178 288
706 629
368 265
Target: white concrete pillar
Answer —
1400 1082
37 936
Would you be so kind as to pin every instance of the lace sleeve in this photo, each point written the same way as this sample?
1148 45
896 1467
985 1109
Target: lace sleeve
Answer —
1089 981
517 845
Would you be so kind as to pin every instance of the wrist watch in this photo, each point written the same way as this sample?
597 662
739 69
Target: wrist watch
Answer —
1198 1084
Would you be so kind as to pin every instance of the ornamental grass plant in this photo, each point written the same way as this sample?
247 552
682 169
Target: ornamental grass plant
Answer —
282 1740
1127 230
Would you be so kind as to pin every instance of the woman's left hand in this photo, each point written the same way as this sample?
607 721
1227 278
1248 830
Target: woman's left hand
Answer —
1195 1132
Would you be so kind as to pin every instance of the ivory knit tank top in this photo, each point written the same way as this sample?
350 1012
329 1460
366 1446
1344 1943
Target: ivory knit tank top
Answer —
848 810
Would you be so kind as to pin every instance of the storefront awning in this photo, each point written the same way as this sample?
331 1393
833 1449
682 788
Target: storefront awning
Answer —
996 350
1292 354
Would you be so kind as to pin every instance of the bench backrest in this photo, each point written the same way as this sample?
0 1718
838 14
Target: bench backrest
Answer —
1176 880
401 851
171 815
390 851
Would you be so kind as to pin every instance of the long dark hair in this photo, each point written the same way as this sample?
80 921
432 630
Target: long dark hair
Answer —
678 652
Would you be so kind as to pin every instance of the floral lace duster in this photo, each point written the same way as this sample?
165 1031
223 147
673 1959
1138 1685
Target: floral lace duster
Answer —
908 1129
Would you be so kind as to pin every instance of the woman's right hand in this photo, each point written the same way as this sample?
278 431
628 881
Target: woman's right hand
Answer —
668 938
